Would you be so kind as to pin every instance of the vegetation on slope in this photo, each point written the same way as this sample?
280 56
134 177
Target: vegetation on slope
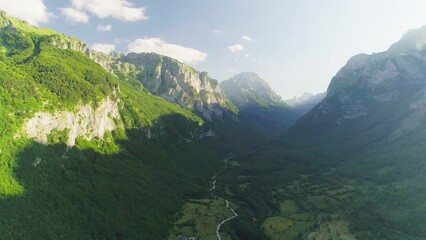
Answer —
124 186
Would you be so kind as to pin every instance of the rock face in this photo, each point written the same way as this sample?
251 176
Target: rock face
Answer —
249 89
86 122
379 95
4 21
170 79
259 105
64 42
306 102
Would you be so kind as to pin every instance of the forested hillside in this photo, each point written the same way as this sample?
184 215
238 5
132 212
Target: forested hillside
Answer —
125 184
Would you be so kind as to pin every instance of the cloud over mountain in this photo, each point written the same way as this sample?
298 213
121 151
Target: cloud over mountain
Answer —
157 45
33 11
105 48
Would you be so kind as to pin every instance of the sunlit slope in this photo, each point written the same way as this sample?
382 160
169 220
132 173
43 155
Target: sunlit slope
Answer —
123 179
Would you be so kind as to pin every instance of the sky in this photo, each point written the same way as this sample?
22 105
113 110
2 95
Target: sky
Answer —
295 45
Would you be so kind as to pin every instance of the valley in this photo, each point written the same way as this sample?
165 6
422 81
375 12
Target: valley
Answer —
144 146
200 215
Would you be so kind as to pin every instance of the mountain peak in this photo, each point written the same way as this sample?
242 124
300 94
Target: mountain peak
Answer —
260 107
412 40
250 78
249 88
305 102
304 96
20 27
380 95
249 74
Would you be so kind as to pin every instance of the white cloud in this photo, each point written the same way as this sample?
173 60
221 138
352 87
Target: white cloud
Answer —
247 55
74 16
32 11
236 48
104 28
247 38
157 45
105 48
119 9
216 31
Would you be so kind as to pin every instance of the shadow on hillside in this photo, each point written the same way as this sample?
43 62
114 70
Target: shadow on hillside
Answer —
82 194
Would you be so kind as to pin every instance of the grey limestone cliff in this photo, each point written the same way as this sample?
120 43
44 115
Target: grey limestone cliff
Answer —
170 79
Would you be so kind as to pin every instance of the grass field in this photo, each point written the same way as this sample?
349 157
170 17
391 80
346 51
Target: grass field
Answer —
234 163
306 216
274 225
334 230
288 206
199 218
308 210
278 228
318 200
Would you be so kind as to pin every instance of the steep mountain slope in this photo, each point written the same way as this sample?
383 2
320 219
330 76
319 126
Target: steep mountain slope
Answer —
371 127
170 79
377 97
260 107
83 154
306 102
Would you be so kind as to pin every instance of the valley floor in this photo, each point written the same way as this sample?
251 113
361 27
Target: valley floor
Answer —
198 216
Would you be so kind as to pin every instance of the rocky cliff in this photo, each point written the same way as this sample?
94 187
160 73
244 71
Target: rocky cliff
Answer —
170 79
87 122
374 97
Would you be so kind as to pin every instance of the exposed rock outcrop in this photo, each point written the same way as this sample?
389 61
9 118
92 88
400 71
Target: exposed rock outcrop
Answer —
65 42
86 122
4 21
170 79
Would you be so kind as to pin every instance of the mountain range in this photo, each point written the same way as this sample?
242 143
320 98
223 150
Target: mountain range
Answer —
142 146
306 102
374 98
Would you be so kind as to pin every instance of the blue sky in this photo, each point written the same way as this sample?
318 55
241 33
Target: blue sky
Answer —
297 46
